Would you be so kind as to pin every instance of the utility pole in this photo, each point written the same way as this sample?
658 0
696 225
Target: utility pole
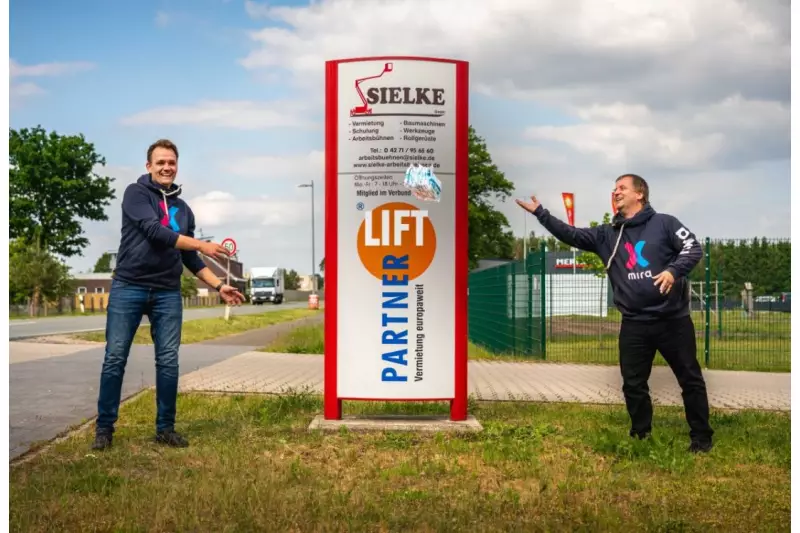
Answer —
313 246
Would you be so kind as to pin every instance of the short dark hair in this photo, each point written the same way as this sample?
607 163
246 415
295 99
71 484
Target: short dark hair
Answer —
639 185
161 143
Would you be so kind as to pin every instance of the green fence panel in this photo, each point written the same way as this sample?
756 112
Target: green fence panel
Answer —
505 312
740 301
747 318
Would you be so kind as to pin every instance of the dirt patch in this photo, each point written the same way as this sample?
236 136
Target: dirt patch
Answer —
582 326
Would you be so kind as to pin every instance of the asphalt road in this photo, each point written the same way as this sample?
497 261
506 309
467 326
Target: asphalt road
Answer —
48 395
20 329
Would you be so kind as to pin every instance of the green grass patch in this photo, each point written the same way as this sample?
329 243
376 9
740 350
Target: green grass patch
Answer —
205 329
741 354
253 466
302 339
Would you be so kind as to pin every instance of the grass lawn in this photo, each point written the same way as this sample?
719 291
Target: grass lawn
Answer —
725 355
204 329
253 466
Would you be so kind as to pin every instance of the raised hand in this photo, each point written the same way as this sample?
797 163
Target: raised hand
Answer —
531 206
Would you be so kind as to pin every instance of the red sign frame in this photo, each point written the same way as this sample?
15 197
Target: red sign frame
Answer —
333 402
228 239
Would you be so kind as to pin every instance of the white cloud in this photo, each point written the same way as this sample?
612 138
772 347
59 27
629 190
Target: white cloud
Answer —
235 114
22 89
218 208
48 69
731 132
689 94
283 168
555 51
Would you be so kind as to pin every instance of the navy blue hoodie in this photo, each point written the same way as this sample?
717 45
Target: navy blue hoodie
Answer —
152 219
639 249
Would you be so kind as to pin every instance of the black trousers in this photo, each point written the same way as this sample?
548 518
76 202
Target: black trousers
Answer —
675 340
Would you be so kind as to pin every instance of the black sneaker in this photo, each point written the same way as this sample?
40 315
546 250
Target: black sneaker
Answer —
698 446
102 440
171 438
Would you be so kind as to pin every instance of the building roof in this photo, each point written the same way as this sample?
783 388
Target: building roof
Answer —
93 276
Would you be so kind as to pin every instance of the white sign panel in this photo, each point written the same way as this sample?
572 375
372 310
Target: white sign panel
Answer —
396 253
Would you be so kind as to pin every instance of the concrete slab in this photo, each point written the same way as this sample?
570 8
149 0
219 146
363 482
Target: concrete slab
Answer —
21 352
273 373
428 424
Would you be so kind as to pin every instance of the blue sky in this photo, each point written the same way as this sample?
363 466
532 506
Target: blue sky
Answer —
566 100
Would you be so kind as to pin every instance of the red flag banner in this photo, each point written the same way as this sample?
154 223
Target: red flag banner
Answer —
569 205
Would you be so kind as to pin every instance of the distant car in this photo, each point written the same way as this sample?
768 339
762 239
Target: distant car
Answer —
763 299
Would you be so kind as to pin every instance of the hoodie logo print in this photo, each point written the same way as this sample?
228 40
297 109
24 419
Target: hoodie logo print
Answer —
169 217
635 256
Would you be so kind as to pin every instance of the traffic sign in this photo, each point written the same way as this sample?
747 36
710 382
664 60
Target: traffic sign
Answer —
230 245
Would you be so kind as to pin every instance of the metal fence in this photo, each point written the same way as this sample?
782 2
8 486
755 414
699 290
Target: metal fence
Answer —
740 305
506 307
93 304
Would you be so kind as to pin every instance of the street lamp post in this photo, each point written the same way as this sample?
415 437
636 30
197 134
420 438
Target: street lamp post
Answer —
313 258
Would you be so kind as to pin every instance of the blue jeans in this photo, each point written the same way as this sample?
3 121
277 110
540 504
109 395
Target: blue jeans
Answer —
127 304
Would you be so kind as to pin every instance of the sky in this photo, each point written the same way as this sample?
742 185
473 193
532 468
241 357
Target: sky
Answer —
693 96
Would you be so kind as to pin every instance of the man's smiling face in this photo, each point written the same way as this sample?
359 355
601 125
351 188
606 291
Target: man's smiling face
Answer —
163 166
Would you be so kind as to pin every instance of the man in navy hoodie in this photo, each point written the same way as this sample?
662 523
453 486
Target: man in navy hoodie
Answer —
648 257
157 240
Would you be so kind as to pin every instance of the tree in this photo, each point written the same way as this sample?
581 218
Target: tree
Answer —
489 235
36 275
52 186
292 280
103 263
188 285
322 265
592 261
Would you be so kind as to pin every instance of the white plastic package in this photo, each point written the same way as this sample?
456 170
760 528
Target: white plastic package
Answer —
423 183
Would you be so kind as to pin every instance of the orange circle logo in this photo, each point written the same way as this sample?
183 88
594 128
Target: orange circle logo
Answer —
396 239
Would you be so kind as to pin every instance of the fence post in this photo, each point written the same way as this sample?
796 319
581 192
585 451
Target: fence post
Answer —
529 276
514 306
707 301
719 311
543 311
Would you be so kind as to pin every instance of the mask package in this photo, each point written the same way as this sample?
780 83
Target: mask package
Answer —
423 183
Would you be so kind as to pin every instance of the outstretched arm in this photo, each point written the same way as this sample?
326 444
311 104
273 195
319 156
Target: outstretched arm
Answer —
582 238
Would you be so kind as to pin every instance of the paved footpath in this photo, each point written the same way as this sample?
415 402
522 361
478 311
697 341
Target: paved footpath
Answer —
54 386
494 380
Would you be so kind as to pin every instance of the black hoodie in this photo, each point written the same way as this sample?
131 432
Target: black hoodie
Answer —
152 219
634 251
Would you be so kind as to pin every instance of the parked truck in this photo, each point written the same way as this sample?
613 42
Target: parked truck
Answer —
266 285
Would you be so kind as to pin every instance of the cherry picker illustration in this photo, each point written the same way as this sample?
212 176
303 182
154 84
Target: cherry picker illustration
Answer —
366 109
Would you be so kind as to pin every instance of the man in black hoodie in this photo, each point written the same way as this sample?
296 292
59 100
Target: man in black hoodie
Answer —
648 257
157 241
